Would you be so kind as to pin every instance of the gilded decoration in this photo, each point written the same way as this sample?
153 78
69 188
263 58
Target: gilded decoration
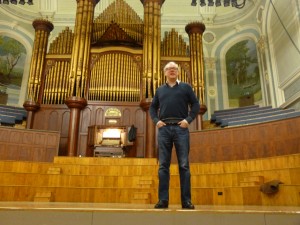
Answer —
113 112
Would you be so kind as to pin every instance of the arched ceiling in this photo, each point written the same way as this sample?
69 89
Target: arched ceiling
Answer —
173 11
174 14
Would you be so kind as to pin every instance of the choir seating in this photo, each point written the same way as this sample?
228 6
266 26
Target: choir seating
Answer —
251 115
12 116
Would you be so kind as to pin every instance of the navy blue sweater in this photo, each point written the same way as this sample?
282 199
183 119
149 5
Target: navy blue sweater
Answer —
174 102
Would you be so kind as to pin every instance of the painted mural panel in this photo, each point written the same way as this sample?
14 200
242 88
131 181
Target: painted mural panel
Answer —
12 60
243 79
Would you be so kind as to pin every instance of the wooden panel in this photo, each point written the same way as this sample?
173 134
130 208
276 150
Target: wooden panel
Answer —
246 142
93 114
31 145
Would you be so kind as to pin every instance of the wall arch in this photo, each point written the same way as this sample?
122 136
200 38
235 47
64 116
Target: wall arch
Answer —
16 32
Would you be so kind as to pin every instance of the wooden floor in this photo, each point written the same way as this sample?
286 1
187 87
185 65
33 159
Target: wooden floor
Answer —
54 213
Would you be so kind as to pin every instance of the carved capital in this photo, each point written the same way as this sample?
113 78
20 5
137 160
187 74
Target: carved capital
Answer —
76 102
145 103
203 109
195 27
32 106
41 24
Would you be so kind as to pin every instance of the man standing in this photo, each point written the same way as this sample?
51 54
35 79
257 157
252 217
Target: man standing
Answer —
173 108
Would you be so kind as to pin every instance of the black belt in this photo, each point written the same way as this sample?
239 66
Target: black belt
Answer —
171 124
171 121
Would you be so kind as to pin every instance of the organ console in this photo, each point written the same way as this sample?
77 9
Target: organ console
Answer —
108 141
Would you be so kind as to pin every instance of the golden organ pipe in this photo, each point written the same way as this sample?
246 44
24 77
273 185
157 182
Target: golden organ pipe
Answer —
150 49
126 84
76 45
93 92
102 78
136 83
123 77
87 49
64 81
59 89
155 46
49 83
80 62
53 82
107 76
35 65
46 86
145 50
197 69
129 79
111 83
119 72
113 78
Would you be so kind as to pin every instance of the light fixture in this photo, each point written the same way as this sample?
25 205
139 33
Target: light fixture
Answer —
194 3
226 3
217 3
233 3
210 3
202 3
15 2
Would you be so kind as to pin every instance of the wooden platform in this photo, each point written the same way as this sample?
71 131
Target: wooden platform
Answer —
38 213
133 180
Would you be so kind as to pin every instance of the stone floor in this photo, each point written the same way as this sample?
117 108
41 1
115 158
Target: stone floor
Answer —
42 213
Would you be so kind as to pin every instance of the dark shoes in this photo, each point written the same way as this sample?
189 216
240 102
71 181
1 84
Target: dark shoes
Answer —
162 204
188 205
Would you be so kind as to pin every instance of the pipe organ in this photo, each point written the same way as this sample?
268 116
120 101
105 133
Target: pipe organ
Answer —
117 60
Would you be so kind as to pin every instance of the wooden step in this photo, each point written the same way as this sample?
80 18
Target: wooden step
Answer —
43 197
141 198
105 161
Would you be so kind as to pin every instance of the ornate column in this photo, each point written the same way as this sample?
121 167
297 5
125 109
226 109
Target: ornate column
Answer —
195 31
81 47
80 60
31 107
151 46
75 105
42 31
261 46
151 65
150 130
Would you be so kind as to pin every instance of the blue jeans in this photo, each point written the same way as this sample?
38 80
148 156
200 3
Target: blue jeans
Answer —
167 136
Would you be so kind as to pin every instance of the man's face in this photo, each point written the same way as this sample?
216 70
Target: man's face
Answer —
171 72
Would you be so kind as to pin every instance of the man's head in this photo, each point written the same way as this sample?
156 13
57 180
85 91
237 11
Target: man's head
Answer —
171 71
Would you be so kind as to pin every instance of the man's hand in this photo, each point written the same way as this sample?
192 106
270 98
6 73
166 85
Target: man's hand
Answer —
160 124
183 123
